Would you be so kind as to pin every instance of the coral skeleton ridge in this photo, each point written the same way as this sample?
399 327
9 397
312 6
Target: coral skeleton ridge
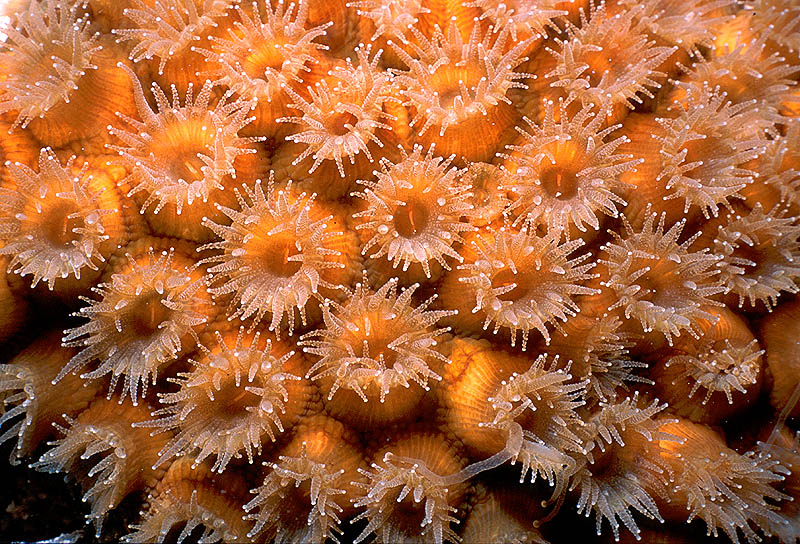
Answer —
430 271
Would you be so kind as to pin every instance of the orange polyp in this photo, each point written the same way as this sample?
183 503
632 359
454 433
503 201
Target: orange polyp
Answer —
566 170
376 344
188 499
315 473
396 514
594 348
686 24
729 491
522 282
56 71
165 29
26 389
702 153
619 469
723 368
744 72
265 48
759 253
385 21
413 212
660 282
107 456
181 154
608 61
778 173
526 18
455 95
279 254
240 392
341 118
779 21
146 289
61 221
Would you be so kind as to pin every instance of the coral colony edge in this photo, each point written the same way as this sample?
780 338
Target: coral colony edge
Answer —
402 270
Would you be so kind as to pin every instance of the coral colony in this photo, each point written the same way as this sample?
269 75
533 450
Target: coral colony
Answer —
405 270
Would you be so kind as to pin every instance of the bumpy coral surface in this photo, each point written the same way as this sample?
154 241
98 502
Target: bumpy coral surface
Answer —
403 270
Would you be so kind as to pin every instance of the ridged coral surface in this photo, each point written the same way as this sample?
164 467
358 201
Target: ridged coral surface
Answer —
404 271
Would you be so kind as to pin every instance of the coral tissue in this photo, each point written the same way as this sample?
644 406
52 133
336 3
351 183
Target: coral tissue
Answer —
405 270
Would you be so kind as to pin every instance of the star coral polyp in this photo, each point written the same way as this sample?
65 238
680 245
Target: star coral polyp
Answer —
524 282
657 280
276 255
377 342
565 170
179 152
344 116
49 51
144 318
422 271
60 221
414 211
461 86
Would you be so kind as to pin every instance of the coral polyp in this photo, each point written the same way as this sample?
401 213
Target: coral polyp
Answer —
746 72
595 348
406 493
48 53
617 471
116 462
28 411
420 271
145 316
285 52
461 86
277 255
180 153
188 501
390 19
378 341
60 221
727 490
234 395
723 369
703 148
685 24
732 368
317 469
524 18
530 399
778 170
782 18
524 282
608 59
414 211
166 27
759 251
345 114
657 280
566 171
